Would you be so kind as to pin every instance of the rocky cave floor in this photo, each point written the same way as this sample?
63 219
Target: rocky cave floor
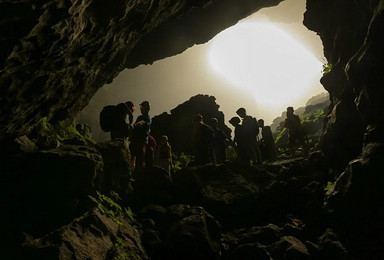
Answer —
78 202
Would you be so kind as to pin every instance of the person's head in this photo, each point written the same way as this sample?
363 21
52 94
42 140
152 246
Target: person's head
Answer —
213 122
290 111
130 105
197 118
164 139
241 112
234 121
260 122
145 106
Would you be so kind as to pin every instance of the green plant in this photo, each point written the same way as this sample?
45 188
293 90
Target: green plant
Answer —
327 67
328 187
65 132
109 207
120 247
180 161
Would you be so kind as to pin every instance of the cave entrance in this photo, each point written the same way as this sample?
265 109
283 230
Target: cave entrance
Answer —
266 62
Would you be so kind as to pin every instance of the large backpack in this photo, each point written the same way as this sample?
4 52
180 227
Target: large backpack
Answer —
107 118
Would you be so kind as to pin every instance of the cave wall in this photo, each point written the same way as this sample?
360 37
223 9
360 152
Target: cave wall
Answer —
351 32
56 54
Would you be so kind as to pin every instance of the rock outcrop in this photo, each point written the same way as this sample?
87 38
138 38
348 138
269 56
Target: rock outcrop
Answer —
177 125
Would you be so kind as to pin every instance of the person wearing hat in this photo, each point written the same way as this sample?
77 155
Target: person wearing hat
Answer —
140 136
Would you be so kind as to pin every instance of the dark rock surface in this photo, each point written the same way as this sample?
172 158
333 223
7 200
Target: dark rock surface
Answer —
177 125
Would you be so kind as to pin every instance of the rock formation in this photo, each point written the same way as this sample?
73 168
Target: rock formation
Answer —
177 125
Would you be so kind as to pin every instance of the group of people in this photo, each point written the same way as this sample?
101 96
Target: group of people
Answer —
143 147
251 144
253 141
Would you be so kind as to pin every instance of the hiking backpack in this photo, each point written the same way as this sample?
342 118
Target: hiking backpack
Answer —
107 118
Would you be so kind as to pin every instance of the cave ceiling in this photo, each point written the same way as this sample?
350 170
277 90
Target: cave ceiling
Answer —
56 54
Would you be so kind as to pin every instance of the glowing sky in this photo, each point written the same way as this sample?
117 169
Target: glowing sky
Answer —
261 59
265 63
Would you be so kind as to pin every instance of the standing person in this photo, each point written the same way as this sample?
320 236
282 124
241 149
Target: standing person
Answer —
295 131
140 136
201 140
219 142
251 131
267 141
150 151
240 140
164 154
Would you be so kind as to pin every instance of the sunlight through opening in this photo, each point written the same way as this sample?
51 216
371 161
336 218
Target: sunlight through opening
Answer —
264 61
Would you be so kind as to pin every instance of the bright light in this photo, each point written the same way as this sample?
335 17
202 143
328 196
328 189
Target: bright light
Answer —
263 60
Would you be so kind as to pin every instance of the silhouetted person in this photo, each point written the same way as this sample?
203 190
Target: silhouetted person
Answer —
296 133
121 129
150 151
251 131
140 136
241 141
267 143
163 154
201 140
219 142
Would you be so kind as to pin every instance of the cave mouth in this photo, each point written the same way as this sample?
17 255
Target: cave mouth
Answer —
291 74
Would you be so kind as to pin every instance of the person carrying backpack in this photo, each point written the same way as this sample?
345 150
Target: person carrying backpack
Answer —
113 119
296 133
251 131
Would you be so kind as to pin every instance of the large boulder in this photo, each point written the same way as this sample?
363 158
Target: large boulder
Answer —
189 233
228 194
355 203
91 236
45 189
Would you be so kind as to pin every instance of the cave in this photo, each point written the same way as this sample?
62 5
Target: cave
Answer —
57 54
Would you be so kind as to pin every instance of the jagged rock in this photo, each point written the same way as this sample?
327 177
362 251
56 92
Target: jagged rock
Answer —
152 185
91 236
177 125
289 247
248 252
228 195
264 235
356 197
330 246
189 233
46 189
